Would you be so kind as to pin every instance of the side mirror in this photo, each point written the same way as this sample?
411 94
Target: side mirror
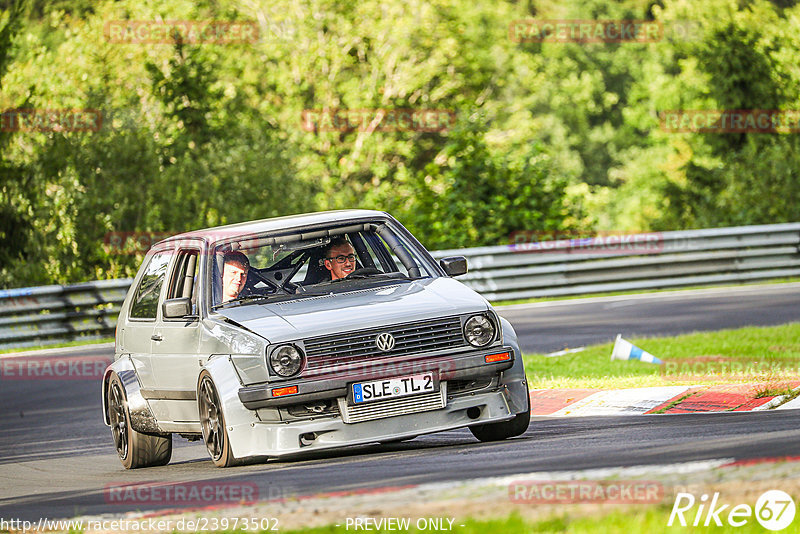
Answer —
454 265
176 308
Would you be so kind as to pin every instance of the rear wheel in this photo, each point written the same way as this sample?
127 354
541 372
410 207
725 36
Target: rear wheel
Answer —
135 449
212 422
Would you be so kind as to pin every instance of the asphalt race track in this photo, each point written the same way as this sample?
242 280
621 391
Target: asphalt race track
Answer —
57 459
546 327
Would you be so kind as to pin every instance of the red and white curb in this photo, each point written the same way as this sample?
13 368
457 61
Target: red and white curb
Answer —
657 400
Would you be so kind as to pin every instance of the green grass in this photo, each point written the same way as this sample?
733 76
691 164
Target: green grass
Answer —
757 347
673 403
639 292
628 520
76 343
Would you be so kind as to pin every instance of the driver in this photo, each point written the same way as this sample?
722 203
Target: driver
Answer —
340 258
234 275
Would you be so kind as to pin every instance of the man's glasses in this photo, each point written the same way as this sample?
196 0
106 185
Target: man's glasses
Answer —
341 258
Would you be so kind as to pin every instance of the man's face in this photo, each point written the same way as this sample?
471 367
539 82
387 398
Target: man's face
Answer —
234 277
340 270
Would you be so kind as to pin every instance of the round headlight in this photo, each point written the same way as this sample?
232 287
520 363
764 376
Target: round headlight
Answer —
479 330
286 360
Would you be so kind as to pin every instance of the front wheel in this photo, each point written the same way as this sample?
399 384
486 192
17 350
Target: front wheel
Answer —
506 429
501 431
134 448
212 423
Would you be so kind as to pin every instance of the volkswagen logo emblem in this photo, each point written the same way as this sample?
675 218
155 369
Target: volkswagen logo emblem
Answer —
385 342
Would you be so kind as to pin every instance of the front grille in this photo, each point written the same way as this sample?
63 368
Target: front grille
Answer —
390 408
410 338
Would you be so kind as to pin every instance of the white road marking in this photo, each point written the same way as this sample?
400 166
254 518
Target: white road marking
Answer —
633 401
683 294
62 350
791 405
563 352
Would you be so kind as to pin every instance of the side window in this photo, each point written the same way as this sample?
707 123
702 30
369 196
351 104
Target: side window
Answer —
365 253
183 281
145 303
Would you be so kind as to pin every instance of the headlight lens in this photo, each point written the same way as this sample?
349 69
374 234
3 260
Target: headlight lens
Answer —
479 330
286 360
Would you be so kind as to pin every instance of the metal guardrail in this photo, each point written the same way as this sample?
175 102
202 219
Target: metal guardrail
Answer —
668 260
45 315
52 314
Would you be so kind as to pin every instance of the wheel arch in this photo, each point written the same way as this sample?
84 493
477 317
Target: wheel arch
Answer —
141 416
227 383
514 379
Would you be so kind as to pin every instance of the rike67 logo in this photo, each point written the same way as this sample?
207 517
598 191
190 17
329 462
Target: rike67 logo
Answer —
774 510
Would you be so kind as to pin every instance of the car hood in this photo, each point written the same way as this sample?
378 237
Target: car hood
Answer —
358 309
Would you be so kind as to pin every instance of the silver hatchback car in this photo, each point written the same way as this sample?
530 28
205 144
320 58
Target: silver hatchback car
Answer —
295 334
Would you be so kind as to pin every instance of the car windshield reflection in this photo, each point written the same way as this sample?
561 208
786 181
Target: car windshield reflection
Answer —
274 268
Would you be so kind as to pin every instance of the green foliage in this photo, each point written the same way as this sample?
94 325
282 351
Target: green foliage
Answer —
15 219
745 58
487 195
544 136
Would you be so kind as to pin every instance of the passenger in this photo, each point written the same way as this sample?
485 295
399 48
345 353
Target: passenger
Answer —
234 275
340 258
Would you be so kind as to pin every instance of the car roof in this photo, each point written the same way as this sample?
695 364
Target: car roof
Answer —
287 222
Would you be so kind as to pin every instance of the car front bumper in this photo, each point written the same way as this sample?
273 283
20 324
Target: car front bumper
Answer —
275 440
448 366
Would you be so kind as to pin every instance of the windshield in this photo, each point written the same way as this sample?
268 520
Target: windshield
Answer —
276 267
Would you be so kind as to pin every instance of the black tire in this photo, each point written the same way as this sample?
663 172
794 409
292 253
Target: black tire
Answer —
506 429
501 431
135 449
212 422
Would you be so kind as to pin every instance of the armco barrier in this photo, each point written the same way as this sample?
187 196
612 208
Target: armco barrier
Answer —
50 314
684 258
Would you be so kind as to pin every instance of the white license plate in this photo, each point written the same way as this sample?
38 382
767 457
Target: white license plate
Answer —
393 387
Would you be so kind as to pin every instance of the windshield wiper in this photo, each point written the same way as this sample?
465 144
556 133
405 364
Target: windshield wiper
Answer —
241 300
361 276
376 275
369 272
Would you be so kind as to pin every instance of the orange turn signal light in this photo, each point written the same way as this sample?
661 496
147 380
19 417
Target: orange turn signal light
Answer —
288 390
499 357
